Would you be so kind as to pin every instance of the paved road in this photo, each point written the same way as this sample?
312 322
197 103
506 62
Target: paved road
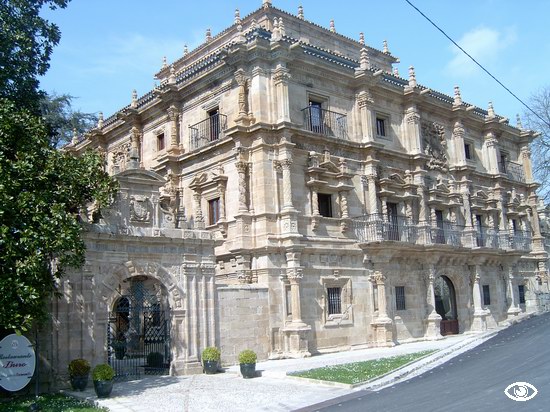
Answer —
473 381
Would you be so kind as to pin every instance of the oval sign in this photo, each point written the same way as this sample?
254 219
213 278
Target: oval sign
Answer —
17 362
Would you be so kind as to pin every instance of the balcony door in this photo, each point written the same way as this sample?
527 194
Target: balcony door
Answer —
440 231
393 224
316 116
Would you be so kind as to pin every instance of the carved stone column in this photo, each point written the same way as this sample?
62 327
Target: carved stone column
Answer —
373 195
243 82
173 115
433 322
479 323
344 214
514 308
296 333
458 143
199 217
382 326
281 78
504 234
413 129
241 170
365 101
527 167
135 148
287 184
491 150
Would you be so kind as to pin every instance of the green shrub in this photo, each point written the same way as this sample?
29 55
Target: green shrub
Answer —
247 356
103 372
155 360
79 367
211 354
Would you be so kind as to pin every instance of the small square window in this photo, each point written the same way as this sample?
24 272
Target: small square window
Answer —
334 296
468 151
400 298
214 211
486 295
160 142
521 291
380 126
325 204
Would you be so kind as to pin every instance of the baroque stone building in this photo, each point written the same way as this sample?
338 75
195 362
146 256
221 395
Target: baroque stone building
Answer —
284 189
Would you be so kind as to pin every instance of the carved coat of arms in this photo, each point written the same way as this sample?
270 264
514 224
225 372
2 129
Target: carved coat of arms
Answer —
140 209
435 146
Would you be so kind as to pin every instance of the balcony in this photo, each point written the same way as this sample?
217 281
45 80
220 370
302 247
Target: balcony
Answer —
325 122
378 228
207 131
514 171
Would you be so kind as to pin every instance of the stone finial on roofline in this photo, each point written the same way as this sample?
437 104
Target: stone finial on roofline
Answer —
172 77
365 60
237 16
100 120
208 36
282 27
458 97
266 3
490 110
396 71
385 49
332 27
164 63
519 125
362 38
185 50
412 77
300 12
134 98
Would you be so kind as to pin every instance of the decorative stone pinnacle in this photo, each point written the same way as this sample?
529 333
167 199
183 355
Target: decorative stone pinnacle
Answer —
237 16
134 98
332 27
519 125
172 77
300 12
491 110
282 27
458 97
185 50
365 61
100 120
396 71
74 141
412 77
208 35
362 38
266 3
386 50
164 62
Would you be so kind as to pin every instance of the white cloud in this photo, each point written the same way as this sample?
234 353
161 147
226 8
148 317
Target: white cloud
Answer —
484 44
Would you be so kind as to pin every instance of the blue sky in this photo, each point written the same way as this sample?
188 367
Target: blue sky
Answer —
109 47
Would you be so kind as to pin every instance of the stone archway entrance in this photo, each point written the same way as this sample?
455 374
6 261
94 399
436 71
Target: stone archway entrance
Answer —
445 305
138 336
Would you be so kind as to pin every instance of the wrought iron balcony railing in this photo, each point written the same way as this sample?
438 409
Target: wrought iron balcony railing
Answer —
207 131
378 228
325 122
514 171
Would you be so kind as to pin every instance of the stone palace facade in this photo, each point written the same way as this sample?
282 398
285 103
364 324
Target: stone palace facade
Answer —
284 189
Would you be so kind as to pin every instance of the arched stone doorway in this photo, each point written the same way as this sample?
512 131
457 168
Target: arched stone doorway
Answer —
138 336
445 305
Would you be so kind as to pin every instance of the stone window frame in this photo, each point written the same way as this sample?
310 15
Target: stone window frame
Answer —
330 204
472 150
209 194
386 119
400 298
157 133
345 285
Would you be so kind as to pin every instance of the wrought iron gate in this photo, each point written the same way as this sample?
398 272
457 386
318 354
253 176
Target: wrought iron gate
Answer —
138 335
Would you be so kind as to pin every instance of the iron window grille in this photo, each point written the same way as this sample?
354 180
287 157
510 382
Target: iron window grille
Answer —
521 292
400 298
334 296
486 295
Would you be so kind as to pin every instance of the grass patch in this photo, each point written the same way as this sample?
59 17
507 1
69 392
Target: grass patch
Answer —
357 372
48 403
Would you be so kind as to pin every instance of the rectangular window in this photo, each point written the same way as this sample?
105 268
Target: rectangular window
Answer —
468 151
288 292
521 291
325 204
486 295
400 298
503 163
160 142
334 296
214 211
380 126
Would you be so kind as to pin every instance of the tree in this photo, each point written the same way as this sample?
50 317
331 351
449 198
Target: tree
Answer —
540 103
41 193
26 44
62 120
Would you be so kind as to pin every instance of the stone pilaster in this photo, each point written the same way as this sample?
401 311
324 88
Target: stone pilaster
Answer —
433 321
382 326
281 77
199 217
527 166
365 102
241 170
479 323
287 184
514 308
491 152
414 135
458 143
173 115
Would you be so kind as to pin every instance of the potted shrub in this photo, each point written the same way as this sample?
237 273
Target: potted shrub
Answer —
247 359
103 376
79 370
210 360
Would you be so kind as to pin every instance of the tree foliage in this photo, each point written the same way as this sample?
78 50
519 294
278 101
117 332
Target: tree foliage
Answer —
62 120
41 192
26 44
540 103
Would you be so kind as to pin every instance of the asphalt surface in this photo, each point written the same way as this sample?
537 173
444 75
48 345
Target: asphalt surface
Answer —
472 381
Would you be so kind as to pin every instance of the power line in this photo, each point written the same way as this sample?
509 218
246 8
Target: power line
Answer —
476 62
